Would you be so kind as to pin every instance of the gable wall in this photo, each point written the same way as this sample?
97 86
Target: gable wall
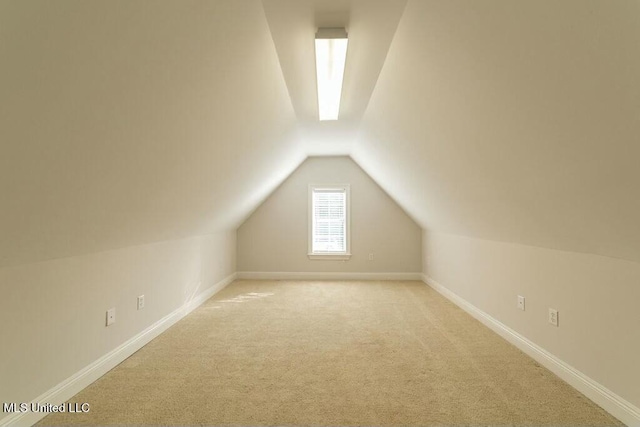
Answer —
275 237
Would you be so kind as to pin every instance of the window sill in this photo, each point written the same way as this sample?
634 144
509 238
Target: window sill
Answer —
330 257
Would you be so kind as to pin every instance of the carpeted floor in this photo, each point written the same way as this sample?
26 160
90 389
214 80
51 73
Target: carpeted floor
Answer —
331 353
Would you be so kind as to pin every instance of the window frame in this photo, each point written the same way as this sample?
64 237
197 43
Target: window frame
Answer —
330 255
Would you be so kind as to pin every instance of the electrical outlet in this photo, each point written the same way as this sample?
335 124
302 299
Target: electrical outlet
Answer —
553 316
371 256
140 302
111 316
521 302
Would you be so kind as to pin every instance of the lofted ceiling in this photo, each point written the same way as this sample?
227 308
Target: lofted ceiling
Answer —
128 122
513 121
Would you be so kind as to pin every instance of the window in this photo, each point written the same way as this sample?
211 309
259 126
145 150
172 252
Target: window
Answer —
329 222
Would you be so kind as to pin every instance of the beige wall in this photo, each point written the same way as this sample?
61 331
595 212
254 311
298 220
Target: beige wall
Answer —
275 237
53 312
596 297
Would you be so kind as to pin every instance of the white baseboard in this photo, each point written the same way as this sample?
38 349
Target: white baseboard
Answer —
81 379
280 275
608 400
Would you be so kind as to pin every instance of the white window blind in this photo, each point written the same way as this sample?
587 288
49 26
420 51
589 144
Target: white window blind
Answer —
329 218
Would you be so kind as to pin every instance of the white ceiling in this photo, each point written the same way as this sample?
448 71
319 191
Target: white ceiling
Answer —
123 123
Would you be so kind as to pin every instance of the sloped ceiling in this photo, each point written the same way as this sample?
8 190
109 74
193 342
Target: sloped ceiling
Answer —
128 122
513 121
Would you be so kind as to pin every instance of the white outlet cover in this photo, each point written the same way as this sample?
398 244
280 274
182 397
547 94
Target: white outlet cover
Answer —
140 302
111 316
553 316
521 302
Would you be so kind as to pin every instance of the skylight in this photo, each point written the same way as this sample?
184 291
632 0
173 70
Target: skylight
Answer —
331 55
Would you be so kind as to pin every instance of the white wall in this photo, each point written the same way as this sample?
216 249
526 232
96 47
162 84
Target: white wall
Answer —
596 296
275 237
53 312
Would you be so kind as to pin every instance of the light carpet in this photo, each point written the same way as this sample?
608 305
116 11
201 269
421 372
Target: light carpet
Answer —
331 353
